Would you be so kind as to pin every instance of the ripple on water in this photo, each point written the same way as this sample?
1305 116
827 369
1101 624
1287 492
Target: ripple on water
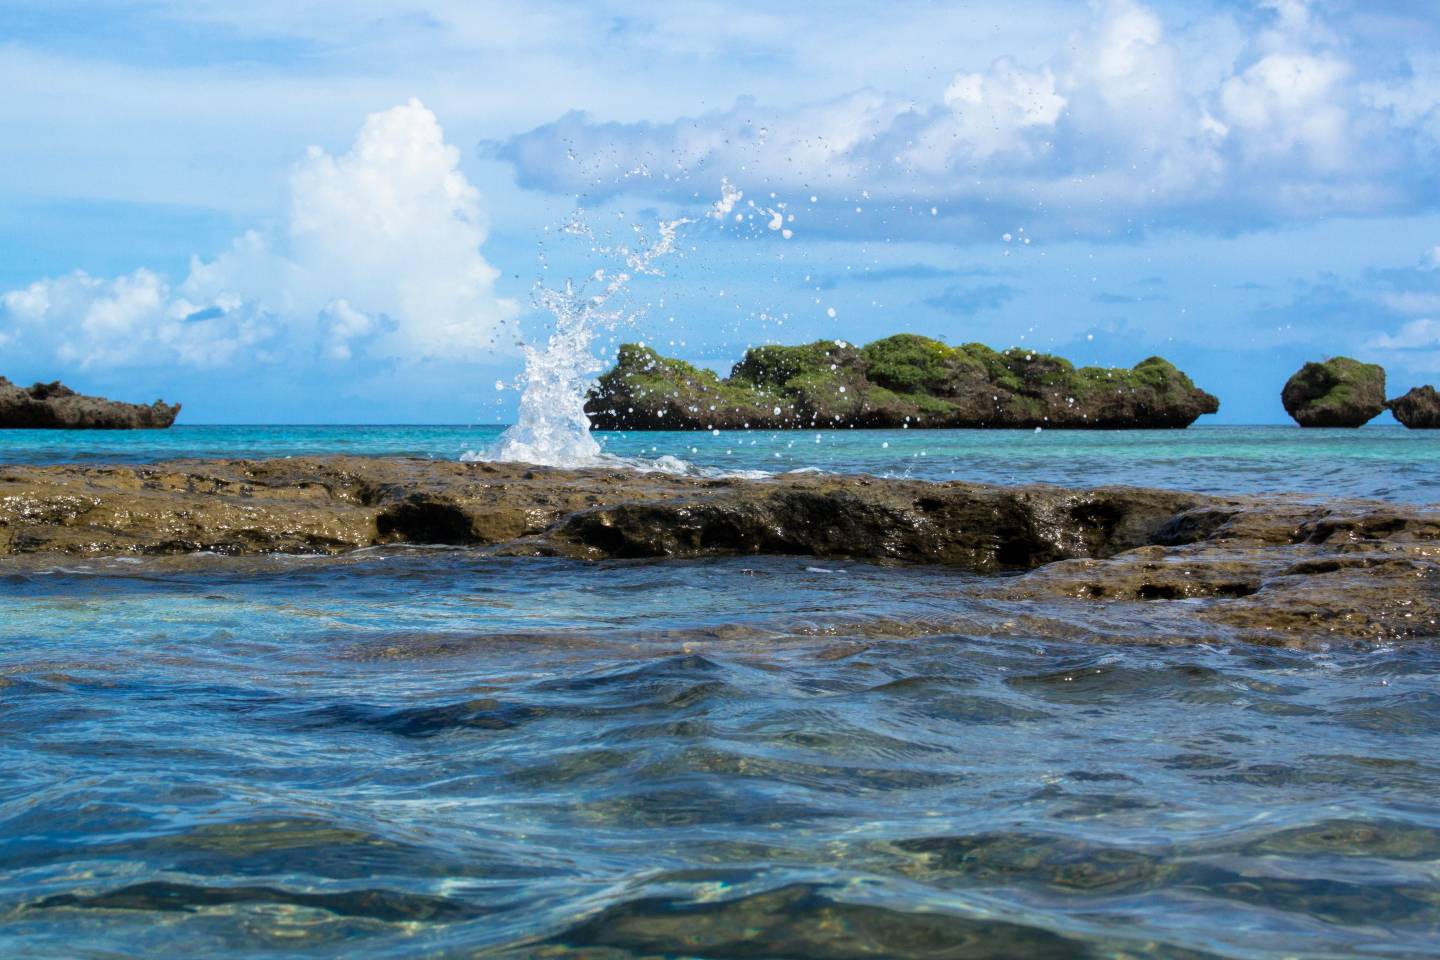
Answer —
437 753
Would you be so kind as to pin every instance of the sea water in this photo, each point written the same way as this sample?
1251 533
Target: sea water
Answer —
421 752
1380 461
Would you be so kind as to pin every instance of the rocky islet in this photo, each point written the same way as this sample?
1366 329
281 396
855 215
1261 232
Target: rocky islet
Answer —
1338 392
54 406
1419 409
901 381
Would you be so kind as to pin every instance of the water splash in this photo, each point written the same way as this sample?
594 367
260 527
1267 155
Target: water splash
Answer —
553 428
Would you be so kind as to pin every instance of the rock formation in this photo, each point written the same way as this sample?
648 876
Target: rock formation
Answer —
1275 570
904 380
54 406
1340 392
1419 409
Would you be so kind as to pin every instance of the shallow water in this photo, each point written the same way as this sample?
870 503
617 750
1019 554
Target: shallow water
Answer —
1387 462
427 752
413 752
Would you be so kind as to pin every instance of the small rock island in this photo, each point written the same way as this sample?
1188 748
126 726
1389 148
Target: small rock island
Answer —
1340 392
903 380
54 406
1419 409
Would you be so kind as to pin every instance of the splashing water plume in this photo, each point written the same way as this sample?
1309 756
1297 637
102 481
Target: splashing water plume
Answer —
553 429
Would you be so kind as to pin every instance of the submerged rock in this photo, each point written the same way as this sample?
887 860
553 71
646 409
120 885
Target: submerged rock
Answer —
1340 392
1419 409
54 406
1275 570
904 380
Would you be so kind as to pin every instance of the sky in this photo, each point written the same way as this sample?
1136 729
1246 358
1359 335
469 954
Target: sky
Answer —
340 211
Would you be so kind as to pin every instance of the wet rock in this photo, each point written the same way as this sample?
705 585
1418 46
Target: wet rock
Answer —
1419 409
1277 573
1340 392
333 504
899 381
55 406
1275 570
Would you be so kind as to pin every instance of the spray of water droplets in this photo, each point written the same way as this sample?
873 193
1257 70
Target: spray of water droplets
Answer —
552 428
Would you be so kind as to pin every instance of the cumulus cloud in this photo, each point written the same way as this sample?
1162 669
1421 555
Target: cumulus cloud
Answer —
1121 130
381 254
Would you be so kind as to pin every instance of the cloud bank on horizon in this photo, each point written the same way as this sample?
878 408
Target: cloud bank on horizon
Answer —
380 256
1129 129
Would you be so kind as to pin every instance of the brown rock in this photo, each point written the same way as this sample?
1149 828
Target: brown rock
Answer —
54 406
1275 570
1419 409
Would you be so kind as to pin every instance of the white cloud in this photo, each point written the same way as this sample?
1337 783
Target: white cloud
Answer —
381 253
993 111
1434 259
1291 108
342 323
132 319
1120 129
1415 335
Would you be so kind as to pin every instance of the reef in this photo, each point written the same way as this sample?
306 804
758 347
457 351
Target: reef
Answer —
1340 392
54 406
1273 570
1419 409
900 381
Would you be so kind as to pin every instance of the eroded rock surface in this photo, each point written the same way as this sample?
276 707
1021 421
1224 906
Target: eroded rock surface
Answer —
54 406
1270 570
904 380
1419 409
1340 392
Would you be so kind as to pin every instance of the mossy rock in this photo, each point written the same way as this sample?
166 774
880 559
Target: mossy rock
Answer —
903 380
1340 392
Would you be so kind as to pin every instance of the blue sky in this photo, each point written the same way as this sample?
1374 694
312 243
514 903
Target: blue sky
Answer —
338 213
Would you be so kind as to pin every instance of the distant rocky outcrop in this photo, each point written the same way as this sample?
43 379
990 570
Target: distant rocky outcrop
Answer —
1419 409
54 406
904 380
1339 392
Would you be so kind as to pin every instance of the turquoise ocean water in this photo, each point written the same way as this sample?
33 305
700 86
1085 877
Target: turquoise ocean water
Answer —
430 753
1387 462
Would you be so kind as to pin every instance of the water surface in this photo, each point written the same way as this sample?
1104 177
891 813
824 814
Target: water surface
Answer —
420 752
430 753
1387 462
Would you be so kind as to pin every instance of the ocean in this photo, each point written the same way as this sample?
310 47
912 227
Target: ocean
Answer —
411 752
1382 462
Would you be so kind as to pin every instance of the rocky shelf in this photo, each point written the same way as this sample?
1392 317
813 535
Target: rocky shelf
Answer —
54 406
901 381
1275 570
